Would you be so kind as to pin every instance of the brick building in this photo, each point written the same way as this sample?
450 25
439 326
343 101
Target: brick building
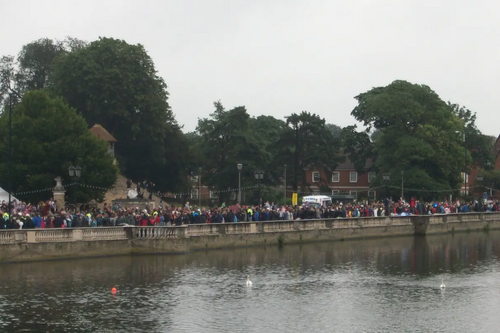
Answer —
344 180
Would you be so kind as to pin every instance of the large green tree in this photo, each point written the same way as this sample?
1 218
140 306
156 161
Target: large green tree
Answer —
224 144
479 145
418 135
116 85
33 66
48 137
306 143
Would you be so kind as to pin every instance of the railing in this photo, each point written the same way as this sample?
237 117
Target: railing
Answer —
198 230
158 232
90 234
53 235
7 237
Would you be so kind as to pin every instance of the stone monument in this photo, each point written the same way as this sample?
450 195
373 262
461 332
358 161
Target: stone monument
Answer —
58 193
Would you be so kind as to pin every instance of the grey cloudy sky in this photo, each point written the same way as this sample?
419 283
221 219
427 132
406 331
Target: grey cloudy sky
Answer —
282 56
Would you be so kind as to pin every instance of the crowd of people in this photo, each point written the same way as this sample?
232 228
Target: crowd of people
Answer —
45 214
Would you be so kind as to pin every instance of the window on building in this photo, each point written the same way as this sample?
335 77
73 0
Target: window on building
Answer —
466 177
354 193
372 195
194 194
334 192
353 177
371 176
335 177
315 177
213 194
233 196
194 179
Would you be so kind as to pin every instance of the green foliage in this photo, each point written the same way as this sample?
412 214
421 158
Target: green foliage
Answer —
115 84
48 137
34 65
418 135
479 145
308 143
357 146
224 144
335 130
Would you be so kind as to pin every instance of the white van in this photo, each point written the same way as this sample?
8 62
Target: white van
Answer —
317 200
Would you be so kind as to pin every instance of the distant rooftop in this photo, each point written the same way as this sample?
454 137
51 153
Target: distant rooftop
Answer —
102 133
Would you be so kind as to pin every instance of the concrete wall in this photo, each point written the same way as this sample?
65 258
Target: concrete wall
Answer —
51 244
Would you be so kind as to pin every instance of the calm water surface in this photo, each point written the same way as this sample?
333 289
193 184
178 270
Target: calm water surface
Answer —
388 285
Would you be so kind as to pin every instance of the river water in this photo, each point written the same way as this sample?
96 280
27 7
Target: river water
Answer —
383 285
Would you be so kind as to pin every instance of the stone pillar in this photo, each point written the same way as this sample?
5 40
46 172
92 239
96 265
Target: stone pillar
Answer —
58 193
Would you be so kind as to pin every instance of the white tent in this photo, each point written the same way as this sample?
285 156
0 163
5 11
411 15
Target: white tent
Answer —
4 196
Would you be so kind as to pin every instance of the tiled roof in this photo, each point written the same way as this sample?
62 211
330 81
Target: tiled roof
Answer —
348 165
102 133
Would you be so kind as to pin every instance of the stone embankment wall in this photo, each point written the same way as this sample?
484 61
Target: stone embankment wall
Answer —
50 244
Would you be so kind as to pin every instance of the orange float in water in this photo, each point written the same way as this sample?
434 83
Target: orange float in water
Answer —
113 290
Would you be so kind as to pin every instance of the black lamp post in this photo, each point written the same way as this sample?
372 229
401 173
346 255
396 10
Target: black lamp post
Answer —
239 166
386 177
259 175
479 179
10 147
199 188
74 173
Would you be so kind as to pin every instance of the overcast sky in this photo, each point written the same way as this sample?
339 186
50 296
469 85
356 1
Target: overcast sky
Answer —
277 57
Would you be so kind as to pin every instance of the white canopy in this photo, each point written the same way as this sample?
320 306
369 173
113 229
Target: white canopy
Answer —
4 196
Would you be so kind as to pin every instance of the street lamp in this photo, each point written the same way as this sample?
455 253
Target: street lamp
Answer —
465 164
259 175
10 147
74 174
386 177
284 203
199 188
479 179
402 185
239 166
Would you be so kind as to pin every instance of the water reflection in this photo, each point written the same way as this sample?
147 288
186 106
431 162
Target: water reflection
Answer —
382 285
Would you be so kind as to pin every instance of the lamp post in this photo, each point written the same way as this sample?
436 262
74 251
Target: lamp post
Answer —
465 164
297 126
74 173
465 167
402 184
386 177
199 188
259 175
10 153
284 203
479 179
10 147
239 166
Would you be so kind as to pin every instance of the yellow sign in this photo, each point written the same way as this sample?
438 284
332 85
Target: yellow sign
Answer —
294 199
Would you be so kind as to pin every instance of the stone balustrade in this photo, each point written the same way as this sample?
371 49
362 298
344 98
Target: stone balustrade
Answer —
200 230
158 232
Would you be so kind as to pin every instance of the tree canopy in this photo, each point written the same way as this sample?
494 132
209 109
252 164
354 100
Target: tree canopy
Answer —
48 137
115 84
418 135
309 143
